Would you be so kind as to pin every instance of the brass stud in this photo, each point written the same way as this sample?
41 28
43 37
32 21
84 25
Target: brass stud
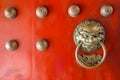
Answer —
10 12
41 12
11 45
106 10
74 10
42 45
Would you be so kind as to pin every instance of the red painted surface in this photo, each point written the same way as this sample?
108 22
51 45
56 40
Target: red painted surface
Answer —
58 61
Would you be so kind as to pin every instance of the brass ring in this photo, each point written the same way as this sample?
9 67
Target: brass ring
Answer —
80 63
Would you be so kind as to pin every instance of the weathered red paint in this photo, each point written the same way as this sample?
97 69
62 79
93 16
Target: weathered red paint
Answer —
58 61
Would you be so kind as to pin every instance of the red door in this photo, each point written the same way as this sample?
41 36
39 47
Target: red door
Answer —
58 61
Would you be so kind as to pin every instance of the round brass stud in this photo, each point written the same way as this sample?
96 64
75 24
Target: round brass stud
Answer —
106 10
10 12
42 45
74 10
41 12
11 45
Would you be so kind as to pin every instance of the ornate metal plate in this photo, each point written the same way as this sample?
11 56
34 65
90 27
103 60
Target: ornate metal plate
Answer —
90 33
90 60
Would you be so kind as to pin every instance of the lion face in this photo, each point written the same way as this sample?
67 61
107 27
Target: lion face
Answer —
90 33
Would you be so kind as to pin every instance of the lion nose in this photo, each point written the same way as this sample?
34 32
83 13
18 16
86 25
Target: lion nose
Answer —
91 39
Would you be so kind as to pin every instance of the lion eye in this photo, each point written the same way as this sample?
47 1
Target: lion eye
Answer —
86 36
95 35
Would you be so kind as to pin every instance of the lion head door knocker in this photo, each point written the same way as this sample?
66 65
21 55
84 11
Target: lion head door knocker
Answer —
89 36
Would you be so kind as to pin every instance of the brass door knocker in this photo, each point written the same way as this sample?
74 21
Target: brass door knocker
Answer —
89 36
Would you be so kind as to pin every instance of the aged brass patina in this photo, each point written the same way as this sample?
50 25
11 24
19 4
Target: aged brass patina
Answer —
90 60
89 36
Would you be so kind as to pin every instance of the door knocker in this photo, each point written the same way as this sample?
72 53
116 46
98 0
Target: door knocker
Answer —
89 36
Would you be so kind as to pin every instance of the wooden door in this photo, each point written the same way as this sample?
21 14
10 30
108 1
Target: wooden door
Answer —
58 61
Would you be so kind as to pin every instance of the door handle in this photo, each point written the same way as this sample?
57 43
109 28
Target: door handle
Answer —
89 36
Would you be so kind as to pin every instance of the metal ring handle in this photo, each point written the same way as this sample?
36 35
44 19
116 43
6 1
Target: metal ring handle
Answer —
102 60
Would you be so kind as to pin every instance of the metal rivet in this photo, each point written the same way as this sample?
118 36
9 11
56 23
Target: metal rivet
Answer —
42 45
74 10
10 12
11 45
41 12
106 10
